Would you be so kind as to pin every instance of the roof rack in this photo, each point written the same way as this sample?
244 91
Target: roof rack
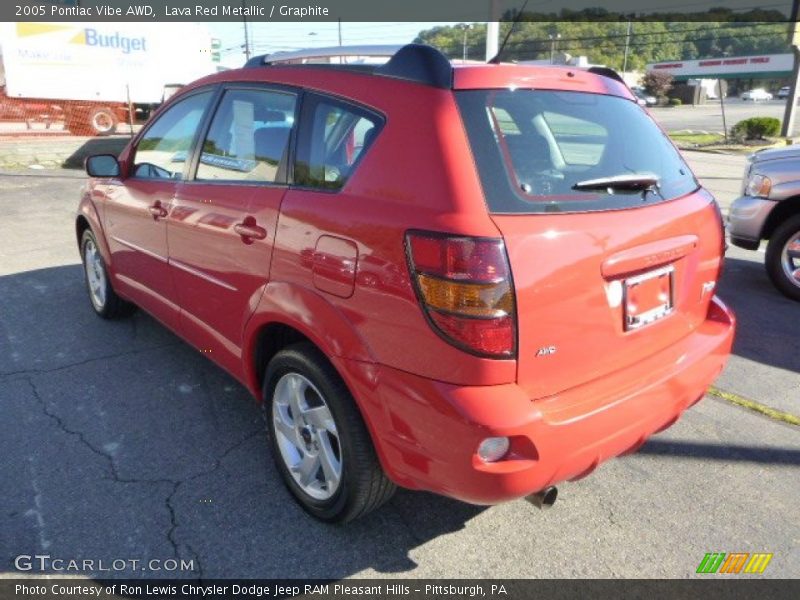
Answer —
311 54
413 62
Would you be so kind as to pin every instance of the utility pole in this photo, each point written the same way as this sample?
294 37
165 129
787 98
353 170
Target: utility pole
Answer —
554 37
493 30
246 35
791 101
464 44
492 39
627 47
722 106
340 33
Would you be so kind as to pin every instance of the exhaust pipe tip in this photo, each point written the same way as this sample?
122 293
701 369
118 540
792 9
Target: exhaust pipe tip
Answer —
544 498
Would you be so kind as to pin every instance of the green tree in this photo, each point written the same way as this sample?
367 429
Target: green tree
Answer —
603 39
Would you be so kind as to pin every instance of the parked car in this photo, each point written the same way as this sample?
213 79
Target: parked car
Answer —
769 209
643 98
783 93
476 280
756 95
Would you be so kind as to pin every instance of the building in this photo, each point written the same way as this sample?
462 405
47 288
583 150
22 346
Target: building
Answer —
740 71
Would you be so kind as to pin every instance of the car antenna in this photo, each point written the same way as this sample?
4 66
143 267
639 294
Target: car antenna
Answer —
496 59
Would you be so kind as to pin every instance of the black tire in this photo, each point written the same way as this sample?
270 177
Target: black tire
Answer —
774 258
363 486
92 121
112 307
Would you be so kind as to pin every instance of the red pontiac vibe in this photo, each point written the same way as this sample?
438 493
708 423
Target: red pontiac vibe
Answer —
477 280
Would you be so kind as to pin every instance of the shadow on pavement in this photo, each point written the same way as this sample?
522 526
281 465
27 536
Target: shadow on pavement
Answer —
99 145
119 441
765 318
701 451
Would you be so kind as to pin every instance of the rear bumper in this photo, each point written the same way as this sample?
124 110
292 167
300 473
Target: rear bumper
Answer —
431 429
746 220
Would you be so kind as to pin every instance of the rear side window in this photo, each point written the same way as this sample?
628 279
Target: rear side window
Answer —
534 148
161 152
249 137
333 136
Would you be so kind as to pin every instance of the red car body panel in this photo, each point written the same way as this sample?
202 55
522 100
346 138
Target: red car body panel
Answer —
564 300
434 428
333 267
219 274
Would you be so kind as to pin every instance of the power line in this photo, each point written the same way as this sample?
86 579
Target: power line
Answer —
667 32
454 48
609 38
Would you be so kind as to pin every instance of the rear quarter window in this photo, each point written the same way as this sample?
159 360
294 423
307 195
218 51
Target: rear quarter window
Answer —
333 137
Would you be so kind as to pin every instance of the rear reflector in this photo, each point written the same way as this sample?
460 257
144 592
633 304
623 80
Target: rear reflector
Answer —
464 286
493 449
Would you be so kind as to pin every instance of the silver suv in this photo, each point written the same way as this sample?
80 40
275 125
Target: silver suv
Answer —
769 209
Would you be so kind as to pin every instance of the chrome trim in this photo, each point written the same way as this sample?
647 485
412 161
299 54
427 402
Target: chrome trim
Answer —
201 275
133 246
655 314
790 254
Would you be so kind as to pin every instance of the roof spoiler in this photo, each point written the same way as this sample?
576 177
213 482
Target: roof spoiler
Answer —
421 64
413 62
607 72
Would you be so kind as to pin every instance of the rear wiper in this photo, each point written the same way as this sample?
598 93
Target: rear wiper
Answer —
633 182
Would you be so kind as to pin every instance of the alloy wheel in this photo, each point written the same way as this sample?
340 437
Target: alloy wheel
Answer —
790 259
95 275
306 436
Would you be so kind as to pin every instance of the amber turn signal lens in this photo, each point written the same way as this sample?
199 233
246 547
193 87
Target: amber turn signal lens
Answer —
488 301
759 186
464 286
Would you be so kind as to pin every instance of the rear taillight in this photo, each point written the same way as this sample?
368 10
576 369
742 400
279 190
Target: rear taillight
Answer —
464 286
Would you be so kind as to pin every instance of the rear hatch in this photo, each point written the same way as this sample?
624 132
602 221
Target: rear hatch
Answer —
614 248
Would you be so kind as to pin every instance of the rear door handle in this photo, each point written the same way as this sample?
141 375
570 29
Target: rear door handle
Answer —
249 230
158 211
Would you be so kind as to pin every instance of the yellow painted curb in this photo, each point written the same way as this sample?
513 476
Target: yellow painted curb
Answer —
772 413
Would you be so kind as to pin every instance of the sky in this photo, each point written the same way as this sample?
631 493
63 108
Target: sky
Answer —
271 37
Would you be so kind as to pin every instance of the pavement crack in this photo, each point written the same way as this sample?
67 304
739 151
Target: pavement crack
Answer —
218 460
26 372
197 565
172 509
169 501
72 432
173 518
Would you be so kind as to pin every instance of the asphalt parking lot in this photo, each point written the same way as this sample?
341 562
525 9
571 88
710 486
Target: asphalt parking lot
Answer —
708 117
119 441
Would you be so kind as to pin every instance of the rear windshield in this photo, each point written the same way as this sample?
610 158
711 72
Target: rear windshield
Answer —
534 147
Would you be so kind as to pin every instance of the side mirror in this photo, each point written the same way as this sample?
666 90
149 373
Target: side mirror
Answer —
102 165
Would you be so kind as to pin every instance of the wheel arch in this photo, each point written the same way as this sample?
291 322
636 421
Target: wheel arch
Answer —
271 338
81 225
87 218
784 210
289 313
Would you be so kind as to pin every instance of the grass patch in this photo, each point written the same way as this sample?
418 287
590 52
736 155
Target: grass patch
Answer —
700 139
